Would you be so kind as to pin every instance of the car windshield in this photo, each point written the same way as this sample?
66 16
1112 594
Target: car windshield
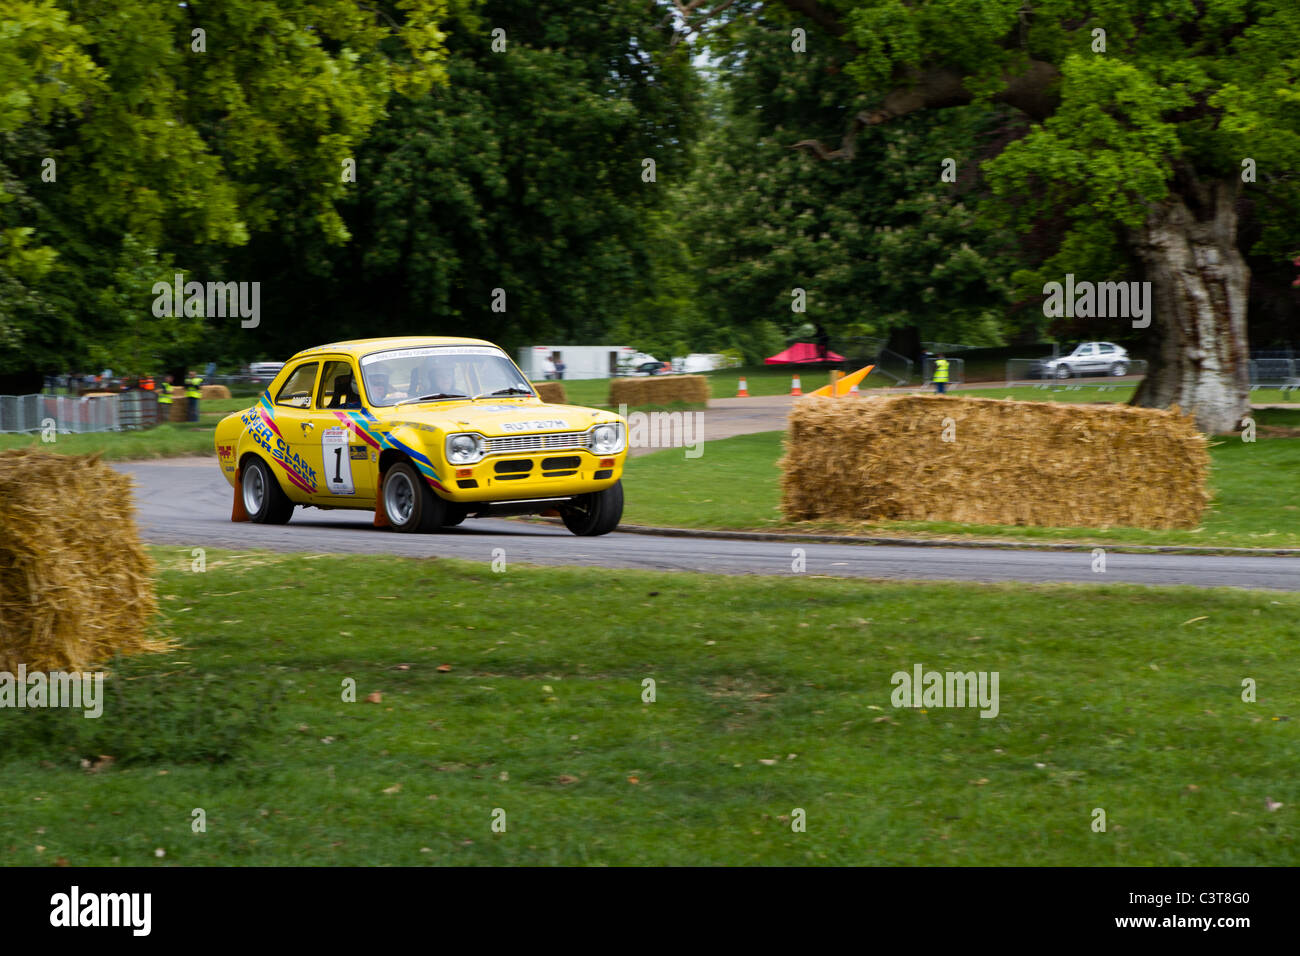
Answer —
439 373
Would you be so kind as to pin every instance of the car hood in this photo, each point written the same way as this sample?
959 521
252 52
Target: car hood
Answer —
494 418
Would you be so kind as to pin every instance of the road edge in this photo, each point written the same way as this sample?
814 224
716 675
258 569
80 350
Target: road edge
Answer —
983 543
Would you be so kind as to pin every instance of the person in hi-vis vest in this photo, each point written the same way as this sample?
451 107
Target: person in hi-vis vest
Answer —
940 374
164 393
193 392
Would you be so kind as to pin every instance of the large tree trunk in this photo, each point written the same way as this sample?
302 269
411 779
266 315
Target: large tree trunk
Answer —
1199 283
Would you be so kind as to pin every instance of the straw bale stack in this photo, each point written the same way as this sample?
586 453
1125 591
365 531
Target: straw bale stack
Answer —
75 584
552 392
659 390
1006 463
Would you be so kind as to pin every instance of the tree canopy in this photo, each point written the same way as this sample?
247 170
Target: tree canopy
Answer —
659 174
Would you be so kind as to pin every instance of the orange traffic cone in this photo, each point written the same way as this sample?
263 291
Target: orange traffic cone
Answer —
744 390
853 391
794 386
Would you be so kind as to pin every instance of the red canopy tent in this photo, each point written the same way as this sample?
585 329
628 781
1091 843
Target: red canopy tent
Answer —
803 353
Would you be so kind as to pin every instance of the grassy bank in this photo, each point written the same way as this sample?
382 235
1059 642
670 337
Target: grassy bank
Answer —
164 441
735 484
479 691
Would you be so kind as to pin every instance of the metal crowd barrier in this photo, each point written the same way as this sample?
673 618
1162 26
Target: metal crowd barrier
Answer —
68 415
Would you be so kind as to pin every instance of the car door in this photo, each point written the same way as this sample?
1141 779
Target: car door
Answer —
1085 359
289 419
331 437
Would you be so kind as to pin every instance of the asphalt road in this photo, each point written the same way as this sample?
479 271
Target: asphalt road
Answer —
186 502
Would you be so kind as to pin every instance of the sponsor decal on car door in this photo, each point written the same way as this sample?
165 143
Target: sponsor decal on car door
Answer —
336 453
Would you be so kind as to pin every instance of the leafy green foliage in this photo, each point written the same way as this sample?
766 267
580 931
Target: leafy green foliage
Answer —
524 174
876 241
177 132
1182 91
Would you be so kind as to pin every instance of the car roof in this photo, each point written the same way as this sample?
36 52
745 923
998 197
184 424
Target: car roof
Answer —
359 347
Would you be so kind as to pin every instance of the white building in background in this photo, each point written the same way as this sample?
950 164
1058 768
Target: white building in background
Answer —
699 362
580 361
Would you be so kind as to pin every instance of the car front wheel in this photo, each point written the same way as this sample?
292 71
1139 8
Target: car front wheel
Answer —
1119 368
1062 371
597 512
409 503
264 500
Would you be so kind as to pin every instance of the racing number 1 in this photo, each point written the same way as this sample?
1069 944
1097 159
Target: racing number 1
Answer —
338 464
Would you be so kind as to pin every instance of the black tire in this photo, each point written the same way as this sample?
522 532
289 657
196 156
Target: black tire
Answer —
454 515
1062 371
409 502
597 512
264 500
1119 368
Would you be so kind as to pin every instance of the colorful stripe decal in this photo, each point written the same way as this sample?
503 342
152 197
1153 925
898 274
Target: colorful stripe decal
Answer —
365 425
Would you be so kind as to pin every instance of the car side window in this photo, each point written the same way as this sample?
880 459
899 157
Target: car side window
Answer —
296 391
1106 348
338 387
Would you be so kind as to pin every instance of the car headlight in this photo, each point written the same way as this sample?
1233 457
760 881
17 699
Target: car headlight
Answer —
465 448
607 439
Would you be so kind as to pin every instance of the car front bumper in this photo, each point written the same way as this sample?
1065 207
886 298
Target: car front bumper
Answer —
556 473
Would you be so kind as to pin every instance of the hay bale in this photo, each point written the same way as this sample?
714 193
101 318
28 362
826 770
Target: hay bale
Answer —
1008 463
180 405
659 390
551 392
75 584
214 391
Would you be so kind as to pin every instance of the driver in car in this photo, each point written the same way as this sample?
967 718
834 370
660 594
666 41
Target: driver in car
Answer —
377 385
434 378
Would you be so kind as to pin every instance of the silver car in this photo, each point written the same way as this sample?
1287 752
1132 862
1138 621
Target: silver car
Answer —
1088 358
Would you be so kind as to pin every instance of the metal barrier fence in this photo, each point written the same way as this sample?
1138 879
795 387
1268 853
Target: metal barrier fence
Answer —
895 366
1267 372
68 415
956 371
1034 372
1281 373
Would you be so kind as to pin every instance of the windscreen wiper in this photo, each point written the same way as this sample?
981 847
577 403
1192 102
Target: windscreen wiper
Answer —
512 390
430 398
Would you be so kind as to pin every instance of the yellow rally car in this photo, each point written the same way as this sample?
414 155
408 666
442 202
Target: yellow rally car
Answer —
425 431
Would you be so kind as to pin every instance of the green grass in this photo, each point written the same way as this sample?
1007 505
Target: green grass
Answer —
1094 390
219 408
775 380
735 484
769 698
165 441
761 379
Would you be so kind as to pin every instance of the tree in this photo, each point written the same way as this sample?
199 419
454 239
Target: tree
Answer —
175 133
1141 116
879 242
526 173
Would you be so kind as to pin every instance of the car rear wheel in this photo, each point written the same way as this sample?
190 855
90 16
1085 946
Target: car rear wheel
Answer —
264 501
1119 368
1062 371
409 503
597 512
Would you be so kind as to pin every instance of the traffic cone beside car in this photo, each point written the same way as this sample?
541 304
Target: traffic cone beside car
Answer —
743 392
795 388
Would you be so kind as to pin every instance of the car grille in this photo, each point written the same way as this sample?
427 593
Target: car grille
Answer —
496 446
